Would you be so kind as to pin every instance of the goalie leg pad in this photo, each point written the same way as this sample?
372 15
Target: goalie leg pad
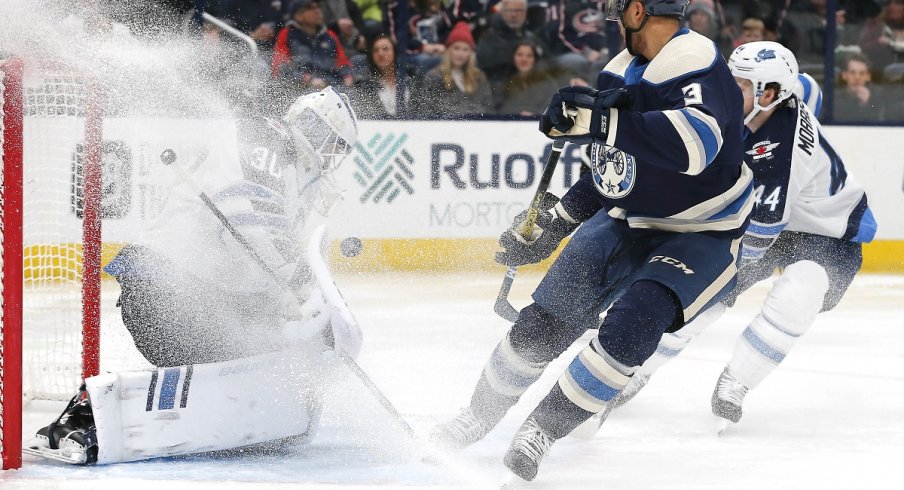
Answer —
208 407
788 312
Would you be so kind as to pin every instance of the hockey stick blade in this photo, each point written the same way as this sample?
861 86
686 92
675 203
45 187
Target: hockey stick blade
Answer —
503 307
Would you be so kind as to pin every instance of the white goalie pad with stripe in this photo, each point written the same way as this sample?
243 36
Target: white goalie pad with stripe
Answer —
208 407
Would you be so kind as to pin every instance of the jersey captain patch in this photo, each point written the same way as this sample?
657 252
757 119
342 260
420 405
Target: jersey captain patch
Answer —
614 171
762 150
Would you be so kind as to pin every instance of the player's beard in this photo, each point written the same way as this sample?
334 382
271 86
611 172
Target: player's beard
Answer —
629 42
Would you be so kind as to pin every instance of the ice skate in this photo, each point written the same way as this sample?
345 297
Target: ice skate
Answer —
528 448
460 432
728 397
71 438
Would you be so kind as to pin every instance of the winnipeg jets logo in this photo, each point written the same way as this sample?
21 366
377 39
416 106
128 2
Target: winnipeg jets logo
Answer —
765 54
614 171
762 150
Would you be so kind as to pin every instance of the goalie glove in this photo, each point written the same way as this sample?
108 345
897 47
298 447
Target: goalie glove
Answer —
581 115
552 226
307 320
315 320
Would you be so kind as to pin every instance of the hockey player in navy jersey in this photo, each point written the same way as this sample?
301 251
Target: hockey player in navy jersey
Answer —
241 358
659 223
810 220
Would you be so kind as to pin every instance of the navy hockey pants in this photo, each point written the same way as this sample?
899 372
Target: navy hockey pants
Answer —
604 259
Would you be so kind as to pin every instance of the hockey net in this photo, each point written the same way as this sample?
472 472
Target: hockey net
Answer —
50 135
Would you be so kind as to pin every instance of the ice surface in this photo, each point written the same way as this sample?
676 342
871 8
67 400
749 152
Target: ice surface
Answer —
829 418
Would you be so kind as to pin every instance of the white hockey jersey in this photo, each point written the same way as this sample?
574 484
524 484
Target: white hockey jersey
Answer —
801 184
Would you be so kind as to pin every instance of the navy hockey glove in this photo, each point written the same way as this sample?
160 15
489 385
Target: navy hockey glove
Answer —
552 226
581 114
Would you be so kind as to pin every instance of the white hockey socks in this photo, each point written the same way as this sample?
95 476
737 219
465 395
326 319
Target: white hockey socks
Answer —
789 310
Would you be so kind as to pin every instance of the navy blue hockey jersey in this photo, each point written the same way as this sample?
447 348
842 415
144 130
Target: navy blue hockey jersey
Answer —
673 160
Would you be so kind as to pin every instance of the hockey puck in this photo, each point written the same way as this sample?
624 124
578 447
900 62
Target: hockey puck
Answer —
168 156
351 246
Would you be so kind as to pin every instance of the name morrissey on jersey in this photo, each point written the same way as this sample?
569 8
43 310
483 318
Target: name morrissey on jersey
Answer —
805 134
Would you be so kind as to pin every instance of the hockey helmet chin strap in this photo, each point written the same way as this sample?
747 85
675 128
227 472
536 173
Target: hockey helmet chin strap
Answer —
758 88
629 32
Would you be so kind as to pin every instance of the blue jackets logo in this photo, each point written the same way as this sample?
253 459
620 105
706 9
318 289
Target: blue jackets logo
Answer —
765 54
614 171
383 168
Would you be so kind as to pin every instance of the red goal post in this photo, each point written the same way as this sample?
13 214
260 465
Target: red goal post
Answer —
51 122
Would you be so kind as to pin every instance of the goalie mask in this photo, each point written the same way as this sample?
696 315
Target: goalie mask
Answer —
324 124
764 62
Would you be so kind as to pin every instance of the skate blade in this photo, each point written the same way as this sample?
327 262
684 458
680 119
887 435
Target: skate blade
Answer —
722 425
63 455
511 481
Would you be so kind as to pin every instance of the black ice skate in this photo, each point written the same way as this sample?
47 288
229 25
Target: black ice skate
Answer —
460 432
728 397
71 438
530 445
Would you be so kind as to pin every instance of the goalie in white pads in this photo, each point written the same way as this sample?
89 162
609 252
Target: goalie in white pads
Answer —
239 360
810 221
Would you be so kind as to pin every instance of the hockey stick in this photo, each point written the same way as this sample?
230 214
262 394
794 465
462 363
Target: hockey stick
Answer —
169 158
502 307
333 297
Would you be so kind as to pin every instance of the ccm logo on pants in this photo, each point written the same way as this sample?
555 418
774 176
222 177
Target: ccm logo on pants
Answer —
671 261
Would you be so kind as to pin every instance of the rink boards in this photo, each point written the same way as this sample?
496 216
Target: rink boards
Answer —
423 195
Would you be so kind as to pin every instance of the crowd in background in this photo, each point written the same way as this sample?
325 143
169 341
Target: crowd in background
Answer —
459 58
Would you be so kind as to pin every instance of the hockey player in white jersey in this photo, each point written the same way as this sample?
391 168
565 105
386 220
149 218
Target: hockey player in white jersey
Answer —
242 357
810 221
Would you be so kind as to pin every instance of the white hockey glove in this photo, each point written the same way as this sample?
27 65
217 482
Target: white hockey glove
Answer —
306 320
315 320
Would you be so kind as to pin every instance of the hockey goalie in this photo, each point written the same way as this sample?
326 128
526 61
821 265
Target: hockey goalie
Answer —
223 298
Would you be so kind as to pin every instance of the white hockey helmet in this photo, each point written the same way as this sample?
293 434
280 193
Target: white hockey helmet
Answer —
325 124
764 62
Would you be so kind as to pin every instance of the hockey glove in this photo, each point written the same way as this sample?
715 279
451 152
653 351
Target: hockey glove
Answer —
581 114
552 226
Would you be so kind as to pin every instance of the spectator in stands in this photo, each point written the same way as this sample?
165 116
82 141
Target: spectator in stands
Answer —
497 44
577 39
882 38
527 89
457 86
256 18
701 17
858 100
807 30
752 29
307 52
376 93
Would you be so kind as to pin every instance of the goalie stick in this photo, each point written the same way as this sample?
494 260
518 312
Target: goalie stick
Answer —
321 273
502 307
